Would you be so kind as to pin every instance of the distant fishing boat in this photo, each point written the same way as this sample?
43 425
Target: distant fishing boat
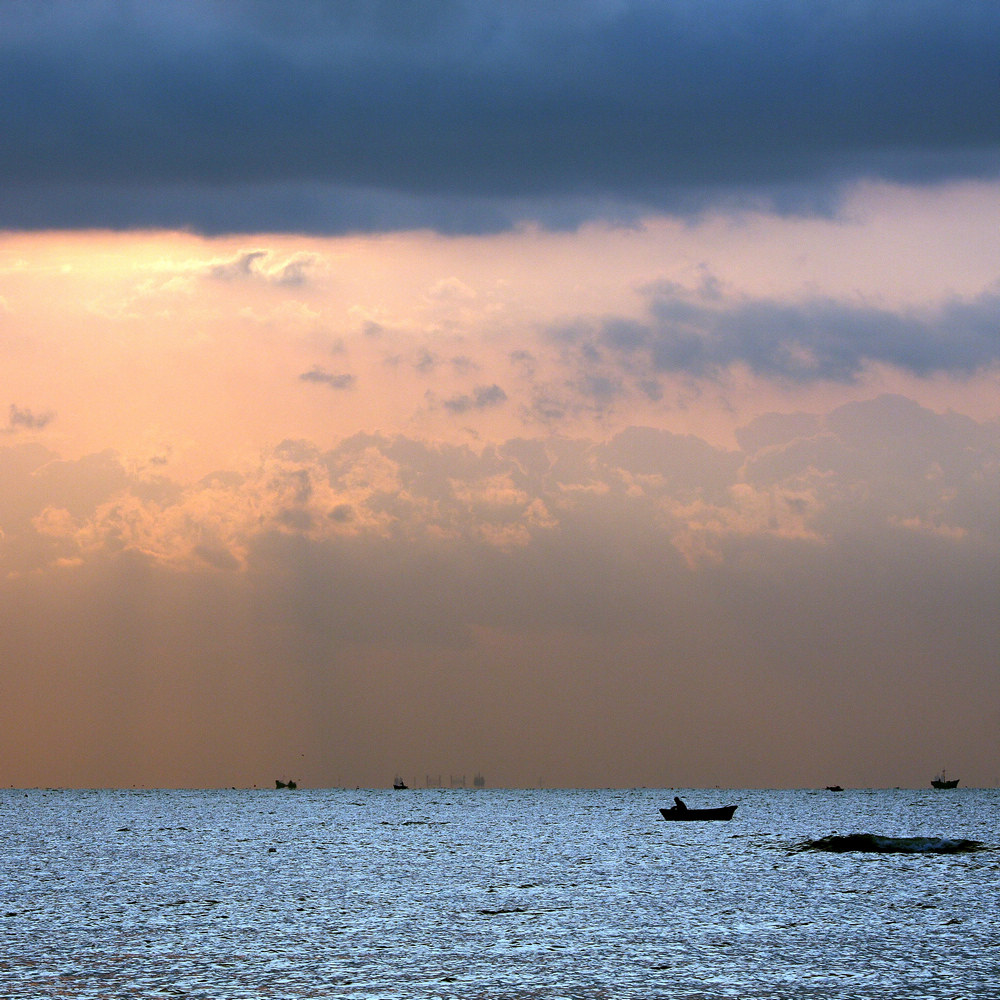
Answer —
834 788
944 782
284 784
399 784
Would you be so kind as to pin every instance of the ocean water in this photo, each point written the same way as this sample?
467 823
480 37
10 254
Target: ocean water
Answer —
493 893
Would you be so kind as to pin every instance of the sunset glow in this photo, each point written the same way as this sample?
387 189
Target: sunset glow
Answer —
690 486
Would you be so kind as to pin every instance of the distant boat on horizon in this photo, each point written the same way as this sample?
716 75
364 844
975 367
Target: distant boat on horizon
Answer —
399 784
941 781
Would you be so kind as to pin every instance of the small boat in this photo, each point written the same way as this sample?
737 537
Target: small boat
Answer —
942 782
399 784
285 784
834 788
681 812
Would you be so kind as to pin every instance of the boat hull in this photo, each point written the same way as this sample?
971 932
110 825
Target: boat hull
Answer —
674 814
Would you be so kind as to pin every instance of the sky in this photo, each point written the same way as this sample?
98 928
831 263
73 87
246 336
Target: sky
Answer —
581 394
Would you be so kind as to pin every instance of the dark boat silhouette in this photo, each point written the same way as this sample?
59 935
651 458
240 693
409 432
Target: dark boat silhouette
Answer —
399 784
943 782
679 811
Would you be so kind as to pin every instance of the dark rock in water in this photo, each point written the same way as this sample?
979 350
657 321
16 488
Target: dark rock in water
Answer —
873 844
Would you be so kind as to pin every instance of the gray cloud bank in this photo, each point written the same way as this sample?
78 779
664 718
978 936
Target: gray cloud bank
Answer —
463 116
702 334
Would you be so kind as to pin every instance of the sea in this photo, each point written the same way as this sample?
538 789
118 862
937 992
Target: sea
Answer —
496 893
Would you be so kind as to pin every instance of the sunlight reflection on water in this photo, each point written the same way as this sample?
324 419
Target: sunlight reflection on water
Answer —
491 893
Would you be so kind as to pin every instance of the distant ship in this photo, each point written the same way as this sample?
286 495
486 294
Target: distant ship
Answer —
942 782
399 784
284 784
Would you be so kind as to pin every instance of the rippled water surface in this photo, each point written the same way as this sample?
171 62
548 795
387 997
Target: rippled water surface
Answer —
492 893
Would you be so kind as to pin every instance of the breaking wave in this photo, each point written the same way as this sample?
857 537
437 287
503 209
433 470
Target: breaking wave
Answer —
874 844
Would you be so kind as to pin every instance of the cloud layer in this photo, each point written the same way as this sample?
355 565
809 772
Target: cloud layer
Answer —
537 605
865 468
705 333
469 117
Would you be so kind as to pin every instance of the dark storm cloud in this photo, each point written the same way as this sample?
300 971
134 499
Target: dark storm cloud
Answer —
815 339
472 116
